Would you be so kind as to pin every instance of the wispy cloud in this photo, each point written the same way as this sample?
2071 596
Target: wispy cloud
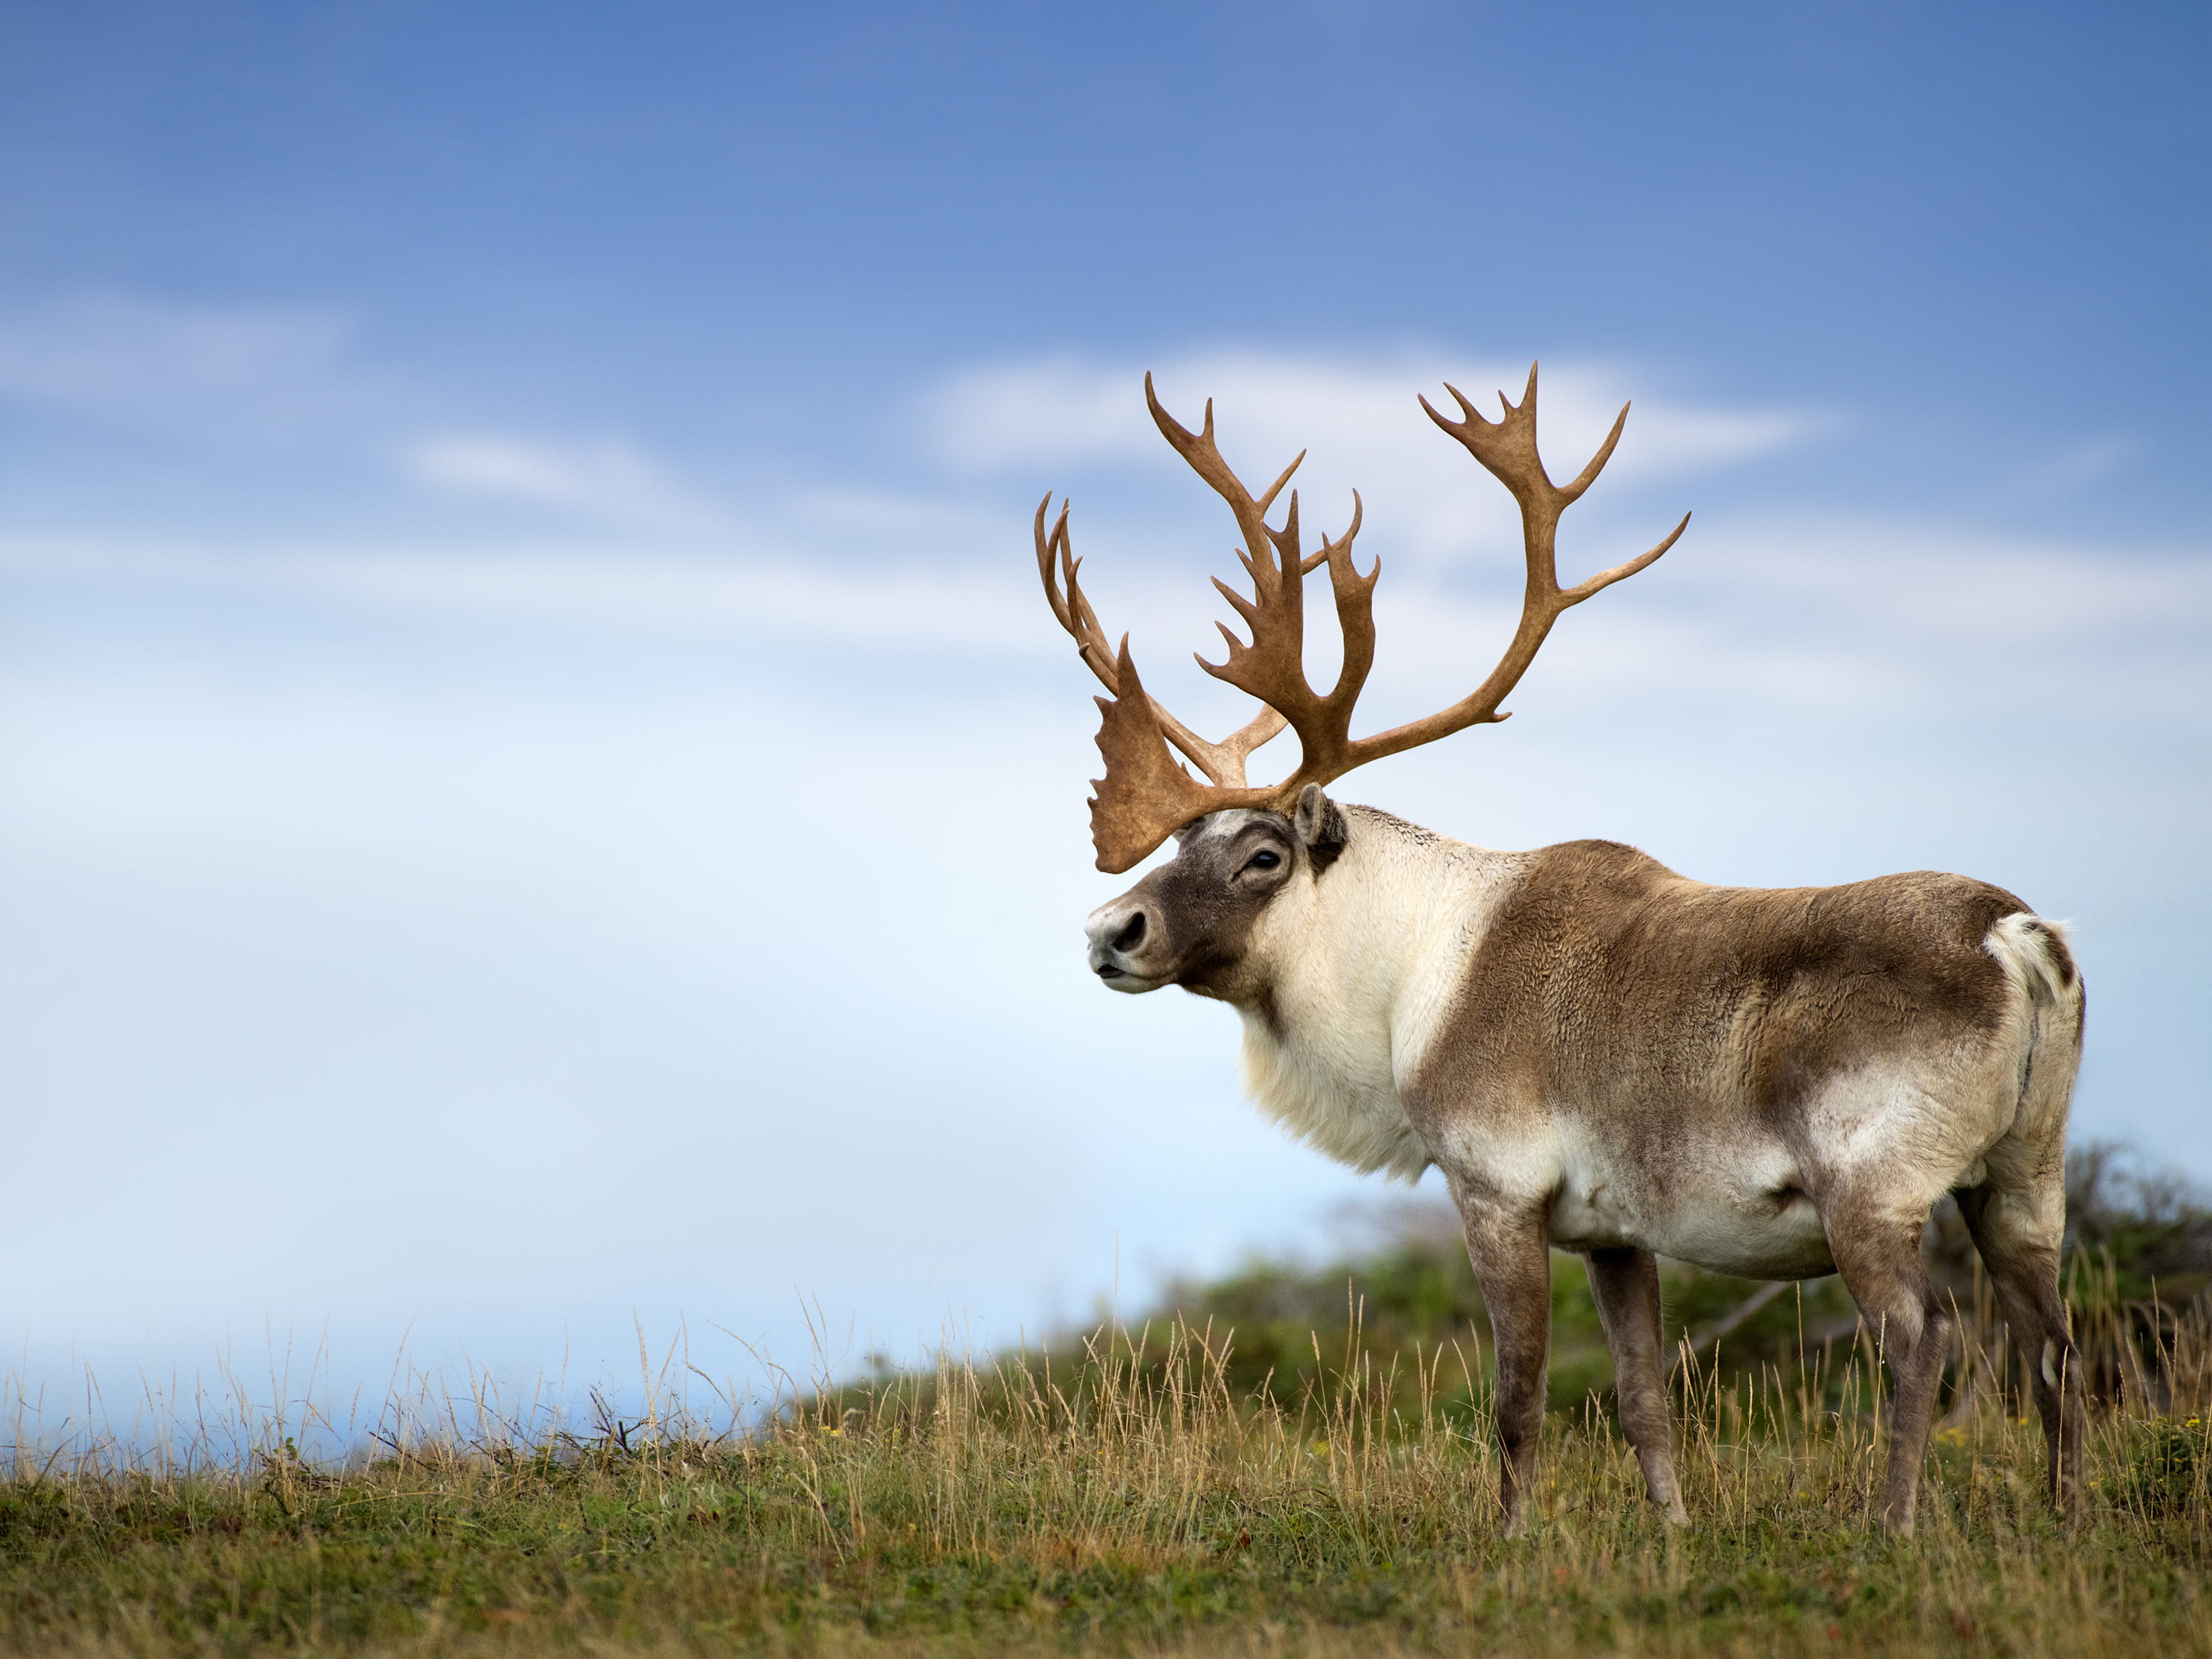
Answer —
788 596
1866 615
1356 417
2075 468
607 479
1819 614
279 378
1816 609
208 369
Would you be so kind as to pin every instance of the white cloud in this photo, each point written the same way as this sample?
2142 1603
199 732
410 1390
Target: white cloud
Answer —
1816 611
792 597
609 479
1358 419
901 521
286 374
1841 616
2075 468
1917 583
202 367
1820 614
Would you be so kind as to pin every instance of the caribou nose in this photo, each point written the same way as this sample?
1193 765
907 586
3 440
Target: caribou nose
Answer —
1116 931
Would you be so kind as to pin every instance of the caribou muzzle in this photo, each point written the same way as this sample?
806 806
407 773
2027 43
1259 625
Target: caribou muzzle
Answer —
1128 944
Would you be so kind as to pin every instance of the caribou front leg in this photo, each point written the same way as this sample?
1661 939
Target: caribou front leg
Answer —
1511 1254
1625 1284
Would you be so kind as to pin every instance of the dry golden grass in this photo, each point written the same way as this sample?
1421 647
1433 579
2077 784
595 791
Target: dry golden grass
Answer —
1131 1499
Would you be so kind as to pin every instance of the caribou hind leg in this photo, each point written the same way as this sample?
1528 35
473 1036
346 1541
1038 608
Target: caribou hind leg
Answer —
1878 1253
1625 1284
2018 1235
2017 1215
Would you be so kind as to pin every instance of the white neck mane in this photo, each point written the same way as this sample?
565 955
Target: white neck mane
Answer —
1364 964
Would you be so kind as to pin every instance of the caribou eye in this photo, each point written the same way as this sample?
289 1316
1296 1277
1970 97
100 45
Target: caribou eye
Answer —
1262 860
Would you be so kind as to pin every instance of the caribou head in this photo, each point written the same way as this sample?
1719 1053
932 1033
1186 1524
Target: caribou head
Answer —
1192 922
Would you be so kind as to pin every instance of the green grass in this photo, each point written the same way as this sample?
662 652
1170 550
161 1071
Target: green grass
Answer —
1132 1498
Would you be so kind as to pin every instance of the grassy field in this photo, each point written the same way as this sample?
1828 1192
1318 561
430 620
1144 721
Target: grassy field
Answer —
1147 1491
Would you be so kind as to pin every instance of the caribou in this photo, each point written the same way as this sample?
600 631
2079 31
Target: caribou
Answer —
1601 1055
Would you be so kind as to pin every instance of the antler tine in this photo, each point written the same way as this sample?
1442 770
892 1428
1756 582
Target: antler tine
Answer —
1059 566
1275 614
1604 578
1355 615
1588 476
1263 559
1204 456
1507 445
1273 667
1314 562
1507 448
1223 762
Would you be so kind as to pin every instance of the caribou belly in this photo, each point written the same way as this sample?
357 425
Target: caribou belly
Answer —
1752 1220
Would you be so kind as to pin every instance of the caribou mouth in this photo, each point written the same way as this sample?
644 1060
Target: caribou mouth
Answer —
1127 981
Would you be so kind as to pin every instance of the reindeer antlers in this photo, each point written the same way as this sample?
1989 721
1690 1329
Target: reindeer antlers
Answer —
1146 796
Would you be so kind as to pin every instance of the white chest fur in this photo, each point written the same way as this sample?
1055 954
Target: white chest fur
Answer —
1335 1096
1364 964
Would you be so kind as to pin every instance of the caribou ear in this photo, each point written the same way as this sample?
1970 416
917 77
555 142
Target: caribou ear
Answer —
1321 824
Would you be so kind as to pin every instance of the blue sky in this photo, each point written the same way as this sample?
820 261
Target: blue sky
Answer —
541 794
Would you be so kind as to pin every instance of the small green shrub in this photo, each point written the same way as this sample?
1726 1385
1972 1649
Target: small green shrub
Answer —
2168 1467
